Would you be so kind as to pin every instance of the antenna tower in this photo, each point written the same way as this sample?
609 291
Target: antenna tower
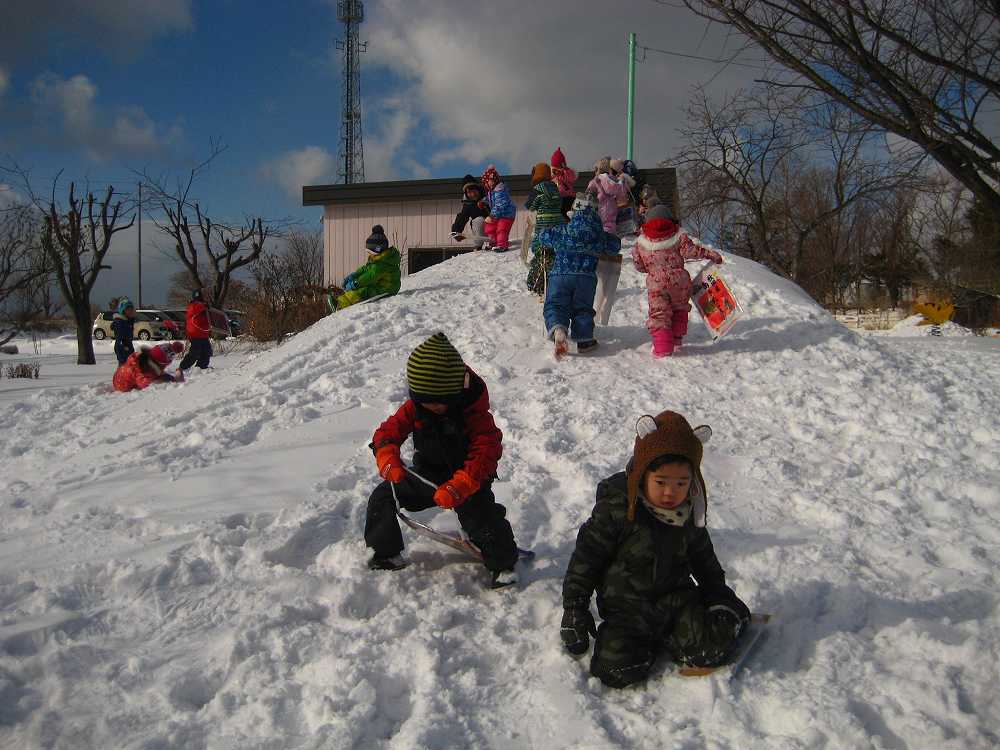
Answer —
352 153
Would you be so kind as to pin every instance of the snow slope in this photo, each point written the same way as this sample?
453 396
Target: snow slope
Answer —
183 567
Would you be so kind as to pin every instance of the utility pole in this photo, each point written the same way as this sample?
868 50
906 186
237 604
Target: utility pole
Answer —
630 112
140 245
352 156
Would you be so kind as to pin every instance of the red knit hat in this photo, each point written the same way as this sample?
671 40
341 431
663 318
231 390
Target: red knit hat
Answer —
558 160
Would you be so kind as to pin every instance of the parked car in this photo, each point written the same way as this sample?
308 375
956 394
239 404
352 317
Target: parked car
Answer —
169 322
146 327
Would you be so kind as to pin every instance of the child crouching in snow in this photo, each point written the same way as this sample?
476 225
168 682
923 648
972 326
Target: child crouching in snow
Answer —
457 446
569 296
646 551
660 251
148 366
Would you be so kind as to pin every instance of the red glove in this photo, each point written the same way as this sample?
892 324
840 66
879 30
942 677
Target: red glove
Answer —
390 465
456 490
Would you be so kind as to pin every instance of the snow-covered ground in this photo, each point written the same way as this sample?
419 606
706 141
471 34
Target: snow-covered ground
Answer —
184 568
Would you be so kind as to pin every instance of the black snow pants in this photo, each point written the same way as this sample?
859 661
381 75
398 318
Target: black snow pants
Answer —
200 352
481 516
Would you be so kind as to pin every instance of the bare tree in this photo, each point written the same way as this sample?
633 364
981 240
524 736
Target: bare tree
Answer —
304 254
21 266
76 241
210 251
788 175
287 295
928 72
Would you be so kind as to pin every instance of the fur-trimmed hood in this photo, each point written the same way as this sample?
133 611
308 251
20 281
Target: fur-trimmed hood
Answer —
660 234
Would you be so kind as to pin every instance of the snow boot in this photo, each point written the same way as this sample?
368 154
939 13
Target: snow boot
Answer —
663 343
586 347
562 345
395 562
679 327
501 579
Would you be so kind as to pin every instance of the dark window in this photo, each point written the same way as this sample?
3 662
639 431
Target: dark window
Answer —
107 316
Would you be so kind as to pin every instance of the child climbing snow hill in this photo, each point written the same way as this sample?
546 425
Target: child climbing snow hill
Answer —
473 212
611 194
660 251
545 201
646 552
502 210
565 179
456 445
569 297
148 366
379 275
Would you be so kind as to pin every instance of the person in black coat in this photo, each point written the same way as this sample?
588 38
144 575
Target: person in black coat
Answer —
123 326
474 210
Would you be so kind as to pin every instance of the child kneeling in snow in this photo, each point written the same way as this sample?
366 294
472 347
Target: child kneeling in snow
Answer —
660 251
457 446
646 551
378 276
148 366
569 297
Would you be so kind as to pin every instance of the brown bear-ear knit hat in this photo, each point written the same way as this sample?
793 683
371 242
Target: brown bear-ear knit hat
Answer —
540 173
672 435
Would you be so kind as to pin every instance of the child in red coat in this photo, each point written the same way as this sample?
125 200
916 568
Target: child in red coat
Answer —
148 366
457 446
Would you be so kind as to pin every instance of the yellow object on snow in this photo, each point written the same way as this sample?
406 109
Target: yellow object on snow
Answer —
935 313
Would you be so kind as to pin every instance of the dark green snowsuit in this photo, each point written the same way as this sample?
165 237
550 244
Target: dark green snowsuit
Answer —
642 573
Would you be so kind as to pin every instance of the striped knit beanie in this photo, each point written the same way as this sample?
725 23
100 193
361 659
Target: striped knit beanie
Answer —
435 371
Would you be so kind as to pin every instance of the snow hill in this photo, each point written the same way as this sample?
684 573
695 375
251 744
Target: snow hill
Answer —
184 568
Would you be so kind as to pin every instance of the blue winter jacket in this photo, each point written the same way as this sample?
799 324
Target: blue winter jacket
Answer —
577 244
501 205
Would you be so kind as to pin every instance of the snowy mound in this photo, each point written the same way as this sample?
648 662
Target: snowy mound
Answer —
911 326
183 567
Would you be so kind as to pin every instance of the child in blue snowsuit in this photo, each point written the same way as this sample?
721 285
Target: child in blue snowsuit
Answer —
123 326
569 297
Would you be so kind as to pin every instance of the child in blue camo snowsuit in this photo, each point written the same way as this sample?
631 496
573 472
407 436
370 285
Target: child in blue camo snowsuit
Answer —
569 297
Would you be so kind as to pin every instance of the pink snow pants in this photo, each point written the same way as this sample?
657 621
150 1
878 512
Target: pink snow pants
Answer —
498 231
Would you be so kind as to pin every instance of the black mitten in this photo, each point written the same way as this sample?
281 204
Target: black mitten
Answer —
723 604
577 626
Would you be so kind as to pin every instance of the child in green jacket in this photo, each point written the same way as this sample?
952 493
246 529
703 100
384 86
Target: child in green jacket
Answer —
378 276
646 552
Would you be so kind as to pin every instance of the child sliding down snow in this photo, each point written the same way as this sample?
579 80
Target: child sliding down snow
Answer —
456 445
646 551
378 276
660 251
569 297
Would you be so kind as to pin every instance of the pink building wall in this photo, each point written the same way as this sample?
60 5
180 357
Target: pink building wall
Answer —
421 223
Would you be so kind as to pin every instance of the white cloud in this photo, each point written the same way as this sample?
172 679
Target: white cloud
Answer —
489 86
291 170
68 109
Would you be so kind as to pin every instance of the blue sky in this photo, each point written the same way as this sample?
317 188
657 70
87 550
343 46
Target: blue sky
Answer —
100 88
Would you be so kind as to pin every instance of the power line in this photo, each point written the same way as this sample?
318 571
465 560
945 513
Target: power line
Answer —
671 53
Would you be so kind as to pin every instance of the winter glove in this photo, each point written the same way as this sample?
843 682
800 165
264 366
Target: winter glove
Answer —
577 625
722 604
390 465
715 258
456 490
350 282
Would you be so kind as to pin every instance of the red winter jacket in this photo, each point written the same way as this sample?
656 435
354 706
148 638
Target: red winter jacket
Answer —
477 452
198 325
130 376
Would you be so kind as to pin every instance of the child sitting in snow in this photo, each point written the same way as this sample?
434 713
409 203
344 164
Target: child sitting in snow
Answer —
474 211
569 297
660 251
148 366
502 211
646 551
378 276
545 201
457 446
565 179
